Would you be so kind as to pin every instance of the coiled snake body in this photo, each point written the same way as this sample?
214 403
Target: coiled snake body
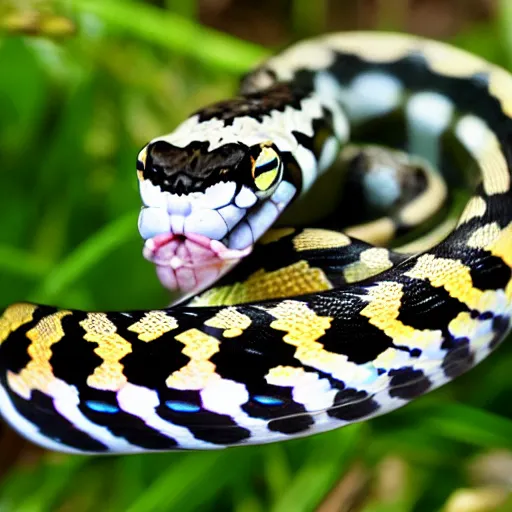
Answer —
329 350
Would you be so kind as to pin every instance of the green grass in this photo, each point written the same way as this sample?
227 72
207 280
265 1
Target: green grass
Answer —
73 114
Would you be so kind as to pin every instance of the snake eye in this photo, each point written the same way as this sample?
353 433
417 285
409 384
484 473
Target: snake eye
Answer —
267 169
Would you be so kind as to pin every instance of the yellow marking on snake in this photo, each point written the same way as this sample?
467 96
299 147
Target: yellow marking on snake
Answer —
495 172
484 236
14 317
38 373
500 87
286 376
371 262
111 348
382 49
231 320
475 208
502 248
452 275
303 327
153 325
480 332
377 232
458 63
296 279
392 358
199 371
290 376
455 277
314 239
383 310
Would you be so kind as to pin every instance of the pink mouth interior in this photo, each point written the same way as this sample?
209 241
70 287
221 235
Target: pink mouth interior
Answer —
191 262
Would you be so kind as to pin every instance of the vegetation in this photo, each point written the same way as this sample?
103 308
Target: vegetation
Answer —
83 85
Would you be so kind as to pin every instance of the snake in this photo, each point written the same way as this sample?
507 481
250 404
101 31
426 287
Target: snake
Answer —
323 328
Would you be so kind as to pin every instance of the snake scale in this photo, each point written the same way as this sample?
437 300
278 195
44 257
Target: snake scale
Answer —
303 354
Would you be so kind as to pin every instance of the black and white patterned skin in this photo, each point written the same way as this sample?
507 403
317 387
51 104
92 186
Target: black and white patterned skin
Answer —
329 351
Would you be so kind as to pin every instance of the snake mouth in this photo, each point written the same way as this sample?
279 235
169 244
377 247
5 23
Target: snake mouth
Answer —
190 262
195 240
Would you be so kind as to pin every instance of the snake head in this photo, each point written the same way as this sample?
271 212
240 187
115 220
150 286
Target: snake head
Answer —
205 208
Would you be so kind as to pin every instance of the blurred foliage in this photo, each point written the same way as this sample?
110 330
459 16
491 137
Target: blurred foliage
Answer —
83 85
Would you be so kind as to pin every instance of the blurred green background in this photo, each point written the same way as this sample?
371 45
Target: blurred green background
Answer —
83 85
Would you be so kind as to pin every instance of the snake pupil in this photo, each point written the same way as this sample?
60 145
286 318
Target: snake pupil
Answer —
260 169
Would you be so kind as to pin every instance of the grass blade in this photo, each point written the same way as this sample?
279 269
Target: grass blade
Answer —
21 263
178 486
473 426
176 33
85 256
318 474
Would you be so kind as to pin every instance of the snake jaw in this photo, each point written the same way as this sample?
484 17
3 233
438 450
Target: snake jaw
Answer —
192 262
195 240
